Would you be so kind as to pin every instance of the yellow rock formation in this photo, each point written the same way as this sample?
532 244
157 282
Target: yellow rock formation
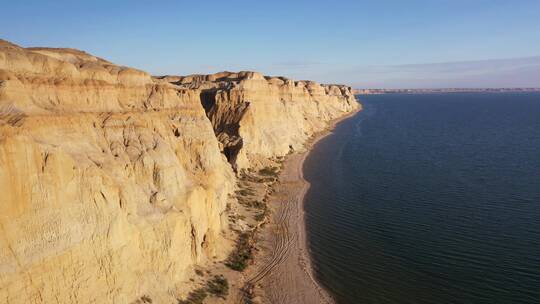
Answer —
257 117
114 184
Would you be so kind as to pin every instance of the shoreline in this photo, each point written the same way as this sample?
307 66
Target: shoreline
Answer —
283 270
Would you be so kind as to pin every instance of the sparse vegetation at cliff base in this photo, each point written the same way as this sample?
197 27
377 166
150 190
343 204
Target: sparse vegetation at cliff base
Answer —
218 286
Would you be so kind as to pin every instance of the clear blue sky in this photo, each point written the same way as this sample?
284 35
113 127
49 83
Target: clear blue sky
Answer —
362 43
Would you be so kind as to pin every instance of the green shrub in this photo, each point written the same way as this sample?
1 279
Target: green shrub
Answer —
197 296
269 171
239 258
260 216
244 192
253 204
218 286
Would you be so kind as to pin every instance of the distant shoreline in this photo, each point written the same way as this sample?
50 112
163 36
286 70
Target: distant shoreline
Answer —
447 90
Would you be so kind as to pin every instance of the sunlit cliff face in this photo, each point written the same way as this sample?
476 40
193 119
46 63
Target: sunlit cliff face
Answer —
115 183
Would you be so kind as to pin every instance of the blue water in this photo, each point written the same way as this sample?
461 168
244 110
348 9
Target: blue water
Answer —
431 198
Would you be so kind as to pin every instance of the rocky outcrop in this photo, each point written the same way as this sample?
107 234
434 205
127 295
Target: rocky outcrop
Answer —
257 117
113 182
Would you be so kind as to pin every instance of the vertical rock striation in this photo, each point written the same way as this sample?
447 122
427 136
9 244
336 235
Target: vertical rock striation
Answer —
257 117
115 183
112 183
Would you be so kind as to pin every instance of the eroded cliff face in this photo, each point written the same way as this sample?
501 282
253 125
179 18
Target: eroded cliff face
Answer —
114 184
257 117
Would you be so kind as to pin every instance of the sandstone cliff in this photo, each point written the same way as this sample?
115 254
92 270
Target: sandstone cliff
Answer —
257 117
114 183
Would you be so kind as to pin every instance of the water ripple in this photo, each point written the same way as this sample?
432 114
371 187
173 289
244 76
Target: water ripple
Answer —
429 199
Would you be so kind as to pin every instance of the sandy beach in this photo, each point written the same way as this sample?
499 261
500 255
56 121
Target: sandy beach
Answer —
283 272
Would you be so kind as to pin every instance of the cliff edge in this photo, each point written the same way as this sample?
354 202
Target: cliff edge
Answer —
257 117
116 183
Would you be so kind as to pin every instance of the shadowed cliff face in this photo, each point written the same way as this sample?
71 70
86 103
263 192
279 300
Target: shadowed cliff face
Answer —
226 127
115 183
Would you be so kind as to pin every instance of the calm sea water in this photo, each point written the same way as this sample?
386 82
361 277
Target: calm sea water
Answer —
429 199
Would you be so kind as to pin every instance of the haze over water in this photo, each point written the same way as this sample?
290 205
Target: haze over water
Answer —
429 198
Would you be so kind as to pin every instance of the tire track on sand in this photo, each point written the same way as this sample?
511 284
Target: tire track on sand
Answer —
280 246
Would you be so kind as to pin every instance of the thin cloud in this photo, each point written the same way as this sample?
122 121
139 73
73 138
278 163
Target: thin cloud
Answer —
512 72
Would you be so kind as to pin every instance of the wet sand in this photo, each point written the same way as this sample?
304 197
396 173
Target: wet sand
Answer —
283 272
